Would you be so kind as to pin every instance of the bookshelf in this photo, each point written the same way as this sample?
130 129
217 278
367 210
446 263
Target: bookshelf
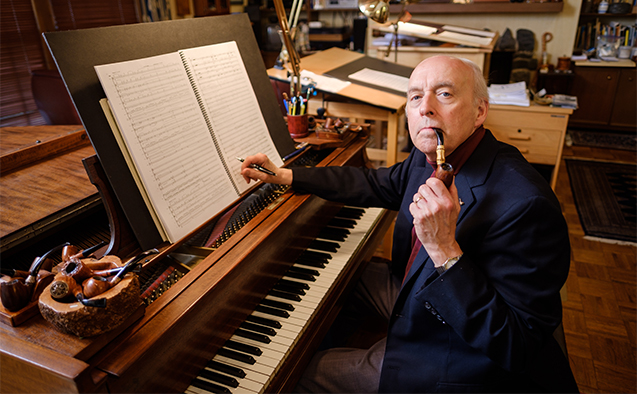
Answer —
592 24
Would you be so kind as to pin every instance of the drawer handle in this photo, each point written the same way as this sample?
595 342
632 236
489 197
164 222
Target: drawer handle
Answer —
524 151
520 138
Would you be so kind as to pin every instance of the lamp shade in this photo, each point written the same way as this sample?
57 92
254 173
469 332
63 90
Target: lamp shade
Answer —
377 10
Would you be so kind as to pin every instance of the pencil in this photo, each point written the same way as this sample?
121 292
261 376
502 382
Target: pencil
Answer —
258 167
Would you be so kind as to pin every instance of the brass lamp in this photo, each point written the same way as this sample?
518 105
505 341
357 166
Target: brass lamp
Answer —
288 41
378 11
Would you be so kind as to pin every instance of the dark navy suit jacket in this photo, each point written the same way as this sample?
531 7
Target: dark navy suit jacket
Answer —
486 324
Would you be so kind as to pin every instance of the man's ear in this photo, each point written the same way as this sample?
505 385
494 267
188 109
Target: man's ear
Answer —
482 112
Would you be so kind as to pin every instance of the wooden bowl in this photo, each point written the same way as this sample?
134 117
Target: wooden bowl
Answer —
86 321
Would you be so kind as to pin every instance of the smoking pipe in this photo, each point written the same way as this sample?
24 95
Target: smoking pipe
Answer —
96 285
17 293
444 171
71 251
14 273
66 286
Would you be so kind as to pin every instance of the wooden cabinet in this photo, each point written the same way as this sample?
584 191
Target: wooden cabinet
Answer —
537 131
606 97
624 113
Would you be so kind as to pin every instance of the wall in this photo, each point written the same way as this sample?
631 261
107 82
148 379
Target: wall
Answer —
562 25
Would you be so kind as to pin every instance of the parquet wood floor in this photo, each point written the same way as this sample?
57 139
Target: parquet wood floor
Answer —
599 309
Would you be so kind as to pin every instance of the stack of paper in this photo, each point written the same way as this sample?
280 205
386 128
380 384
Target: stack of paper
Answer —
382 79
564 101
509 94
326 84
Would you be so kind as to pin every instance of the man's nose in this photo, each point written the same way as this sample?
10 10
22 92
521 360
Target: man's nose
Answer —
427 105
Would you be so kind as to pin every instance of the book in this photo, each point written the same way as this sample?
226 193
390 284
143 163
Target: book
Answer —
181 119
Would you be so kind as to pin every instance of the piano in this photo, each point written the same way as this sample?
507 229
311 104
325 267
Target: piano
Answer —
243 314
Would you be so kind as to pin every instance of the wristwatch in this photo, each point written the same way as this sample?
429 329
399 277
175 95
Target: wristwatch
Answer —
448 264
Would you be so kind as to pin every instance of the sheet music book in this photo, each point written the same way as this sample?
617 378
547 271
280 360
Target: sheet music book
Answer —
181 120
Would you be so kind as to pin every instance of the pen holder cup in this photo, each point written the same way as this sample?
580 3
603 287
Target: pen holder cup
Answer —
298 126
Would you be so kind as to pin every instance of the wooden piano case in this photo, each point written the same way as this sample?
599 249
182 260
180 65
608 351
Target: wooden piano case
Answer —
163 346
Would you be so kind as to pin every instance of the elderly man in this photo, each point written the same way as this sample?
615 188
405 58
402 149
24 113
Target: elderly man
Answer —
471 296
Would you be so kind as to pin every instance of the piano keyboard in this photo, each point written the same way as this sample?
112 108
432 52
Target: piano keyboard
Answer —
257 349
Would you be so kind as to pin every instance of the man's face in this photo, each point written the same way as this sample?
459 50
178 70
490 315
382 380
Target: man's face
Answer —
441 96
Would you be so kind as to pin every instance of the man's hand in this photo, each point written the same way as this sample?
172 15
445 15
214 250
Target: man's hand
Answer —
435 210
283 175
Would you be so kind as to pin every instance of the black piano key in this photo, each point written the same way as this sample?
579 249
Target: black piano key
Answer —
294 284
272 311
316 255
244 358
332 234
310 263
219 378
277 304
283 294
225 368
289 289
350 212
301 275
344 223
242 347
264 321
258 328
211 387
305 271
337 230
252 335
326 246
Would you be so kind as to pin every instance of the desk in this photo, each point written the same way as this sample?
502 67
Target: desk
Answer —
537 131
368 103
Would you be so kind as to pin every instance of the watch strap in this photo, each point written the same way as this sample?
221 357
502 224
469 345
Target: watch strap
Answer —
448 264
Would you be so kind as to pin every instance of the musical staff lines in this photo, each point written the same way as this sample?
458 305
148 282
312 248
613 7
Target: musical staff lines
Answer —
231 104
169 141
183 117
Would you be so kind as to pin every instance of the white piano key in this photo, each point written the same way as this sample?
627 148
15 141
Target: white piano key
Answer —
275 352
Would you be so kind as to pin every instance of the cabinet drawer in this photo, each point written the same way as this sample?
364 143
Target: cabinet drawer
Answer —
537 145
536 120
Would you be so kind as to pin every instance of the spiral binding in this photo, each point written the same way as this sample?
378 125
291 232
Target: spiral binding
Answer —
207 119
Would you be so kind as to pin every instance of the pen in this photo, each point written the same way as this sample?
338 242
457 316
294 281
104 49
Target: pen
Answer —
258 167
301 148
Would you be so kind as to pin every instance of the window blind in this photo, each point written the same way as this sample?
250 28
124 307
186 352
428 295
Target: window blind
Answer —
22 47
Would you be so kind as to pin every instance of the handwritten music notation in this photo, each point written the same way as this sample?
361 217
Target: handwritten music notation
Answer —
181 116
232 106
